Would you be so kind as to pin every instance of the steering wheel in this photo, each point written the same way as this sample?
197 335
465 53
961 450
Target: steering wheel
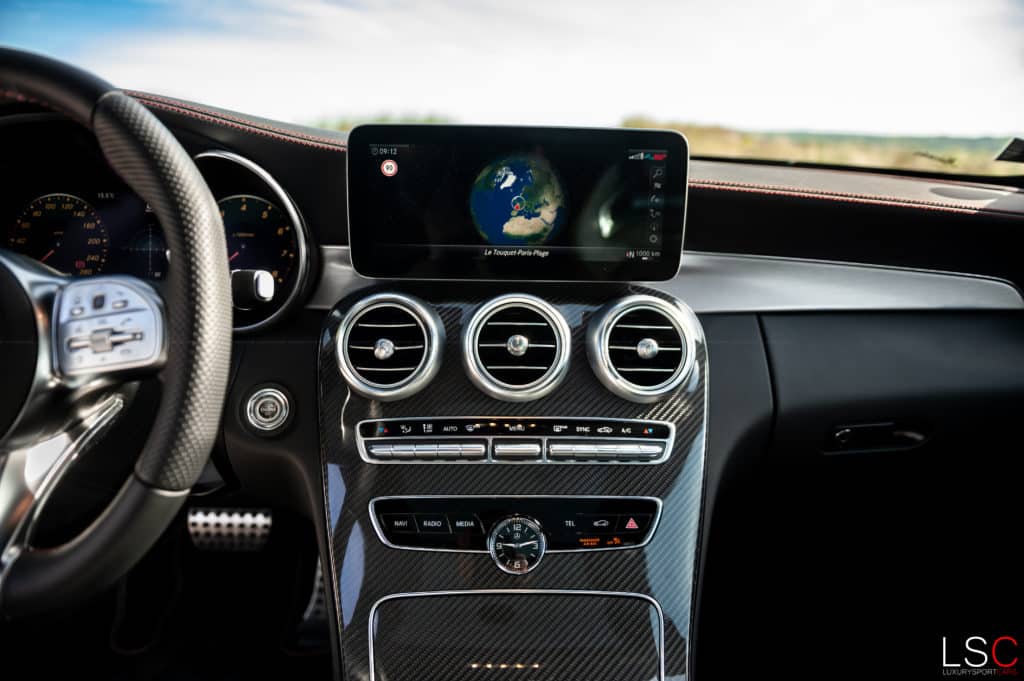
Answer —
72 348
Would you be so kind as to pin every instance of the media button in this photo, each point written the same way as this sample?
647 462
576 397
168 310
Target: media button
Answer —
432 523
464 523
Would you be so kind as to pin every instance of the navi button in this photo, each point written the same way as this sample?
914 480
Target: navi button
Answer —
399 522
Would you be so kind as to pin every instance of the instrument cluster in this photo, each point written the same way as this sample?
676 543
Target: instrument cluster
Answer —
63 206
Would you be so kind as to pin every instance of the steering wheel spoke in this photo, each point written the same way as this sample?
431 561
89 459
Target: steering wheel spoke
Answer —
29 474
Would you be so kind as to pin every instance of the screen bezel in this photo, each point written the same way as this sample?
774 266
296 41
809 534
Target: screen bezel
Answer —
358 153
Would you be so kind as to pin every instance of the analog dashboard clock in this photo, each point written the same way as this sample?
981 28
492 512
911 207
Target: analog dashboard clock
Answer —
517 545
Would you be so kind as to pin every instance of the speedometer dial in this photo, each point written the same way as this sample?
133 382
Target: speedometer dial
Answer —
259 236
62 231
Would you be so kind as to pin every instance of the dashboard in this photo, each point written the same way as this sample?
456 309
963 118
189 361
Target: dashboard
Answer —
645 448
79 218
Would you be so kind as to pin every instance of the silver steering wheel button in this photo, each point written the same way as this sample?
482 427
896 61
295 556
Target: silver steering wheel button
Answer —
108 324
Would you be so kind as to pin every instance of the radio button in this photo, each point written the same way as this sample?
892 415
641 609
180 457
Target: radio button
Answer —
432 523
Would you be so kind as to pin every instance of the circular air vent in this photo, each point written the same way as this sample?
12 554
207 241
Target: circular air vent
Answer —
516 348
389 346
642 347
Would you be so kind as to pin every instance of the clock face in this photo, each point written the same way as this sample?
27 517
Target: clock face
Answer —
517 544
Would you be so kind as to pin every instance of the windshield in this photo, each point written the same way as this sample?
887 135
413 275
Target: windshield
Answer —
904 84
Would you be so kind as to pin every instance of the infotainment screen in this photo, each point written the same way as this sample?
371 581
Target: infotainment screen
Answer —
543 204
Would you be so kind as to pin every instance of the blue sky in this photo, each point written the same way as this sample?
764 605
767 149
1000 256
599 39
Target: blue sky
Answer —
893 66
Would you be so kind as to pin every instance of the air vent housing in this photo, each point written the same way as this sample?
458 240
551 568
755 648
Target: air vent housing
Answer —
389 346
641 347
516 348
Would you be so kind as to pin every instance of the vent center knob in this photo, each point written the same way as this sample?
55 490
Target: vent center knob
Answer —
647 348
383 349
517 345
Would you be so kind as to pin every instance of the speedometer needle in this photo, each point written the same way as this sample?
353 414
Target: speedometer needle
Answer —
43 259
233 256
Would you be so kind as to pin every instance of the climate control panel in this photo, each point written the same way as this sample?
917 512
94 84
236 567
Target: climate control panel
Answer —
514 440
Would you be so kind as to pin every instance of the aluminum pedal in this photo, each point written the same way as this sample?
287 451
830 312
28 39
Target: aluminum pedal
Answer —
229 529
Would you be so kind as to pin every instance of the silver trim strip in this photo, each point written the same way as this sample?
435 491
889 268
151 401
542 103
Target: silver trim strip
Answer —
301 236
712 282
404 497
523 592
723 283
362 442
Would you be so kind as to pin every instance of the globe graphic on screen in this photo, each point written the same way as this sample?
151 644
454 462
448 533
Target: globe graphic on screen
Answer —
517 201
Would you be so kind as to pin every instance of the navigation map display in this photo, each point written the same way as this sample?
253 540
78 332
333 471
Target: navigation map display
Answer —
554 204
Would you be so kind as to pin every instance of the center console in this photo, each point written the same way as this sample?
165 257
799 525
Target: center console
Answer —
513 472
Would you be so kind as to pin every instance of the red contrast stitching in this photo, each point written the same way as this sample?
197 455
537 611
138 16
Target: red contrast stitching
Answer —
259 128
845 197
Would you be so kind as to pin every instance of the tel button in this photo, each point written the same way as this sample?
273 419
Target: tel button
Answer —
399 522
432 523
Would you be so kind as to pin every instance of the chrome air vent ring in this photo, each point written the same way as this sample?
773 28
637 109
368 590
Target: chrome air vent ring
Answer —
389 346
516 347
642 348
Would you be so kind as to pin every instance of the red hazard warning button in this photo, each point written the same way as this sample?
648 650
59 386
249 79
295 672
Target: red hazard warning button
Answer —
634 523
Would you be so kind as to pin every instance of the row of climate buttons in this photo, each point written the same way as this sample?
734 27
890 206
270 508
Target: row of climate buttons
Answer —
428 450
516 449
542 426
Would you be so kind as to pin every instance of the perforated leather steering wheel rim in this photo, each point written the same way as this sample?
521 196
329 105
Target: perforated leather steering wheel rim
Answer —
197 296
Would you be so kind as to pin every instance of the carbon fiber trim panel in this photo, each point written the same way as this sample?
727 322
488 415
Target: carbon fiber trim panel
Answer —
546 635
364 570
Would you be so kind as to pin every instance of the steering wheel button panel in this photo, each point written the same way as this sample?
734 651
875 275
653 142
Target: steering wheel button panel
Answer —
102 338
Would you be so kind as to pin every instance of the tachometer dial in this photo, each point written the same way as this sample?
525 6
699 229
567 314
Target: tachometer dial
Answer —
259 236
62 231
